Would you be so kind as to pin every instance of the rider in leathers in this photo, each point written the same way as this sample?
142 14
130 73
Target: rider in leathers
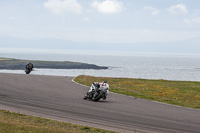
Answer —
30 65
94 86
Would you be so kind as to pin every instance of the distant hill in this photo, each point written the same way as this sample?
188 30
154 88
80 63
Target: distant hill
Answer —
187 46
16 64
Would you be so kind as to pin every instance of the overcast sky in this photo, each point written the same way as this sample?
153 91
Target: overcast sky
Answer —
107 21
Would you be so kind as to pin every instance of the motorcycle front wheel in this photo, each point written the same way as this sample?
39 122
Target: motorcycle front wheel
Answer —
27 71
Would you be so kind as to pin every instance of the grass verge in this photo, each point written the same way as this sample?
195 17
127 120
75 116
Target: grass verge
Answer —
19 123
183 93
1 58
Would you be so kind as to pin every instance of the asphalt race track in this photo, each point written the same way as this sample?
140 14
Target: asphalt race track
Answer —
59 98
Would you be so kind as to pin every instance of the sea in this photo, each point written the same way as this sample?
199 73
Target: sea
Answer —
179 67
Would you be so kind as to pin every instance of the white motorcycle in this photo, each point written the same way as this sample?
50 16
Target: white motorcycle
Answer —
97 91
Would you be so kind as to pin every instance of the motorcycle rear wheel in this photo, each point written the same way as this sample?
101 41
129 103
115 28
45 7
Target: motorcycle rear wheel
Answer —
99 96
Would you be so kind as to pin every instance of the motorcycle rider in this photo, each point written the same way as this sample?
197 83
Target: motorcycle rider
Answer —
29 65
95 86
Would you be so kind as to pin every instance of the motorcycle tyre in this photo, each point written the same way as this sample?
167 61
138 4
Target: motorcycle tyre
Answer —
27 71
98 96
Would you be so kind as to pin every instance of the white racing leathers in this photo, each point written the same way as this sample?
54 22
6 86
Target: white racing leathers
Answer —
97 91
96 85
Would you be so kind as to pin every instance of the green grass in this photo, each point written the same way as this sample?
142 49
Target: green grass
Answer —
183 93
18 123
1 58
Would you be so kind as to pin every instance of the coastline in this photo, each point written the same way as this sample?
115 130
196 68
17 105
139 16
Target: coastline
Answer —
19 64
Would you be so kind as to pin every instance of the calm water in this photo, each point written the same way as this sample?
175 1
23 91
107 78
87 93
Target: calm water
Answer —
131 65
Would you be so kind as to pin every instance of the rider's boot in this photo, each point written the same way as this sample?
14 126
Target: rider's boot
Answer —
104 98
86 96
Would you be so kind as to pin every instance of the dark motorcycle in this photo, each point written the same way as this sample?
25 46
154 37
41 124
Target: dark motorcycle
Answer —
28 69
97 94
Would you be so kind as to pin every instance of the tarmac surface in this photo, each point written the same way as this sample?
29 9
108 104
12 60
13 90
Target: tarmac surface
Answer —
60 98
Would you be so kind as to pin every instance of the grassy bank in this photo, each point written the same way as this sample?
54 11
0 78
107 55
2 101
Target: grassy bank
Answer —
1 58
183 93
19 123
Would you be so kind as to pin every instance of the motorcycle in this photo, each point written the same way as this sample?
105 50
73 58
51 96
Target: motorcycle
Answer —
101 91
28 69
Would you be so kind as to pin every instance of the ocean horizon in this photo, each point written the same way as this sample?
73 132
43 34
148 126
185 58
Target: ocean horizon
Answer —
180 67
